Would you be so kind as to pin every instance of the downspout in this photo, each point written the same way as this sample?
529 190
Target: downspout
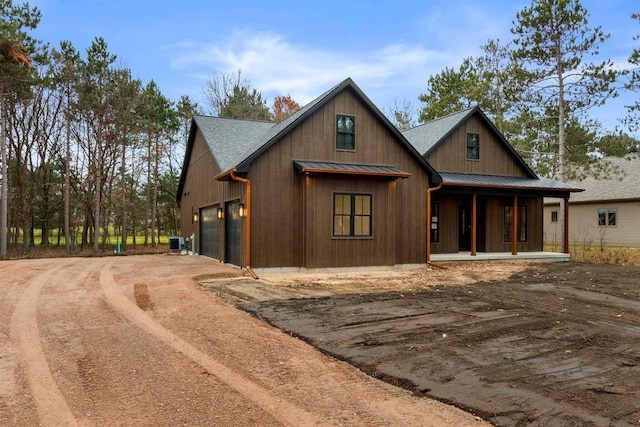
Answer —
429 191
247 245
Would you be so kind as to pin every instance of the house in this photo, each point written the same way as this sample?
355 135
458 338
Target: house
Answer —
606 213
488 193
333 185
337 185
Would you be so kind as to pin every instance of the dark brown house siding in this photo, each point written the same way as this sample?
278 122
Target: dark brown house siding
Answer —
451 154
201 191
495 224
292 213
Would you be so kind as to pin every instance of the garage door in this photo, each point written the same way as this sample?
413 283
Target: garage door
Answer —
233 234
209 233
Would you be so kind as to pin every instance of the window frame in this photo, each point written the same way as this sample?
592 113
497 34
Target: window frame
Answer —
352 215
554 216
352 134
523 224
607 217
435 223
470 145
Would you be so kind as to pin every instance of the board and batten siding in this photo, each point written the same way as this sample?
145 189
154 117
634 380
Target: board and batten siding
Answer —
292 218
451 154
201 191
495 224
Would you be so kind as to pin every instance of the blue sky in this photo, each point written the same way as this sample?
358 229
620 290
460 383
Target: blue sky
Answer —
303 48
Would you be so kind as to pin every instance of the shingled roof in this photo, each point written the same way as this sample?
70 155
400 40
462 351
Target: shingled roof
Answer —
426 137
624 186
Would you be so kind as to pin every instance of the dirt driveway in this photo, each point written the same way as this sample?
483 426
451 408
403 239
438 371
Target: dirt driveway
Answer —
543 345
136 341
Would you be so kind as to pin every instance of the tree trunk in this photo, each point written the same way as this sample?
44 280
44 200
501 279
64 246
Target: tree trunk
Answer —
123 178
155 196
67 181
147 213
96 207
4 192
562 169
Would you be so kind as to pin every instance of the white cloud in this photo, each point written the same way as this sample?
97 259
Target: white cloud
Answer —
277 66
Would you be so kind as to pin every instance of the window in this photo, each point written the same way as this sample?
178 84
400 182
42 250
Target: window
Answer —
351 215
435 223
554 216
607 217
473 146
346 133
522 223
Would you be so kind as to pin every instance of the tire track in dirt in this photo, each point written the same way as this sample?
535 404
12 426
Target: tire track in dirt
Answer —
51 405
285 412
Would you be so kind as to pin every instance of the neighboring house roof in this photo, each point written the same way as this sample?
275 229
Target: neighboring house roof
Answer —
236 143
620 186
426 137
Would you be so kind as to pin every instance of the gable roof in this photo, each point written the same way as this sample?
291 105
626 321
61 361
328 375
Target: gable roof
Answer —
428 136
617 187
236 143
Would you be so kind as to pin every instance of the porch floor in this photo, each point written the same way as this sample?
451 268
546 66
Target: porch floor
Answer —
502 256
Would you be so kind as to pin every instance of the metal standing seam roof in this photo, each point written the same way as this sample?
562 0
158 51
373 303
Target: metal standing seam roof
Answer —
349 169
512 182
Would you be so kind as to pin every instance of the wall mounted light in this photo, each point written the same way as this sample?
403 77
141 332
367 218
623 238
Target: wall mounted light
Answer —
195 217
220 213
242 211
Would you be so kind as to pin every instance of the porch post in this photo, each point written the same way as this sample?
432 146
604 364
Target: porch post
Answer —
565 245
514 227
473 224
428 225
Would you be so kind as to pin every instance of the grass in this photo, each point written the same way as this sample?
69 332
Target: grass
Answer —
109 247
620 255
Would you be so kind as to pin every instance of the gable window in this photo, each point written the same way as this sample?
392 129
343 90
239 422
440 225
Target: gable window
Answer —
607 217
522 223
473 146
346 133
554 216
435 223
351 215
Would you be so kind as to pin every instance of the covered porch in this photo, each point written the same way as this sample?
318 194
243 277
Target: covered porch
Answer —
483 217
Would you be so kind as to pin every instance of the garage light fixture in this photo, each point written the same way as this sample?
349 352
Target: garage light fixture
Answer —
220 213
242 211
195 217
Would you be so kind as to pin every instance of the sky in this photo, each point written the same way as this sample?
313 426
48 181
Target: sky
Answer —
303 48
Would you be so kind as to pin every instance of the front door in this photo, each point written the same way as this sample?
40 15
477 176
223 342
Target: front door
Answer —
233 234
464 228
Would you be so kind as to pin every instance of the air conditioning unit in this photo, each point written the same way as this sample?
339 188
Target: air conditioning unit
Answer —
176 243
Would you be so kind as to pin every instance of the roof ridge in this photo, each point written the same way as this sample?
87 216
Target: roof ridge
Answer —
444 117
